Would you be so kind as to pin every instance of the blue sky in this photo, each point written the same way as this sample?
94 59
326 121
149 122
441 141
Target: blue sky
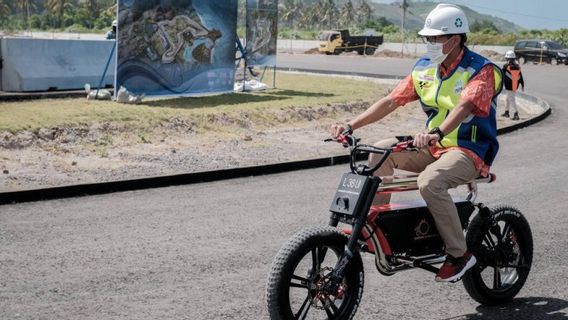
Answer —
530 14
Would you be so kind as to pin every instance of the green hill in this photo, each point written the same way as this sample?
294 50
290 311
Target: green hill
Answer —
418 10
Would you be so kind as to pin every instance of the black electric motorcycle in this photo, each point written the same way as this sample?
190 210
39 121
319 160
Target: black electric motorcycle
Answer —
318 272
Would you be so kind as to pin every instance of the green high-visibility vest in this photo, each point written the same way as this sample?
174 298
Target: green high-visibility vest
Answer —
439 96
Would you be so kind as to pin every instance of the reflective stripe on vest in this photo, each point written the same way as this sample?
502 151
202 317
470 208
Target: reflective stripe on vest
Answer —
440 96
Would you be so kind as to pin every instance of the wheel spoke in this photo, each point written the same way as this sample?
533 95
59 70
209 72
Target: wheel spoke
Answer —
303 312
333 306
318 255
489 241
496 279
506 230
496 231
322 253
329 309
303 282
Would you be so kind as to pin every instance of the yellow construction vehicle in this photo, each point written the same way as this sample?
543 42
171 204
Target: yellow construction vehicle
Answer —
337 41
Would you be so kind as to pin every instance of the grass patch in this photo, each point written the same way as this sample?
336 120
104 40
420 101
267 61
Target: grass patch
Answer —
293 91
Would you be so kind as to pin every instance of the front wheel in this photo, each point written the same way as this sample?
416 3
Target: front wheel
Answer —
301 270
503 246
522 60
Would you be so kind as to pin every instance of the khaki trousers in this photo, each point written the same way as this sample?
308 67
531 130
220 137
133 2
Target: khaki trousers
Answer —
436 177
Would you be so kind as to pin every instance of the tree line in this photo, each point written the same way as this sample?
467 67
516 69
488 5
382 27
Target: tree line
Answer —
98 14
297 19
56 14
326 14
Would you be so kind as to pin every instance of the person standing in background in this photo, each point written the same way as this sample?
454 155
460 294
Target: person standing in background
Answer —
513 77
111 35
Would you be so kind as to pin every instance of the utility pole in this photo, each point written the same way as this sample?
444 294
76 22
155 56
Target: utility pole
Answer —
404 7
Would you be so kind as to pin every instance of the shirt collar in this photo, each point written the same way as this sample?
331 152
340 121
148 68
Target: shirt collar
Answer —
445 71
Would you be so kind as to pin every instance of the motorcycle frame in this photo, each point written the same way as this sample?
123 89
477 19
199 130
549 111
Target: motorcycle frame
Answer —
366 236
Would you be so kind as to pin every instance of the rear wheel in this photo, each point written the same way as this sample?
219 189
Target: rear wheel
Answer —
369 51
300 272
504 250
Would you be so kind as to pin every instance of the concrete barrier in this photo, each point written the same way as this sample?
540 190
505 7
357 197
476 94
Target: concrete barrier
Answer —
417 48
51 64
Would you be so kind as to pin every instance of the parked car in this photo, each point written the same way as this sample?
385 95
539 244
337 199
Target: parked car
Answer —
541 51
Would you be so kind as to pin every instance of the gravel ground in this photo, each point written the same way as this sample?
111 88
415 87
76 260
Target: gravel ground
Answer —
106 152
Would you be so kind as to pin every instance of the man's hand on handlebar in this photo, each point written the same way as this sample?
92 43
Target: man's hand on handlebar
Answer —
340 129
343 134
423 140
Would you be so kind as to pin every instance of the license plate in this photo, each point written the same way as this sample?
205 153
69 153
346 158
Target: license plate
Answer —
350 194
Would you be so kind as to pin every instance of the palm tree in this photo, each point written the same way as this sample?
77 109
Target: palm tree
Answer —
310 17
329 13
5 10
58 8
291 11
111 10
365 11
25 6
92 8
347 15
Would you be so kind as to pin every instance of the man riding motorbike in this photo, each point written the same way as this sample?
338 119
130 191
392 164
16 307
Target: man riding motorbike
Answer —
457 89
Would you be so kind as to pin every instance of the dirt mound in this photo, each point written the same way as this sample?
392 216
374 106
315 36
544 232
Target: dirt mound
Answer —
492 55
386 53
110 151
312 51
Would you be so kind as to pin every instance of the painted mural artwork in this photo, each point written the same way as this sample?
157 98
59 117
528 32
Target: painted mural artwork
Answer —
262 32
176 48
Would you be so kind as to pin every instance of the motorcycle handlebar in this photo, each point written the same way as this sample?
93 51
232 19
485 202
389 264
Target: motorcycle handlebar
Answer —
348 140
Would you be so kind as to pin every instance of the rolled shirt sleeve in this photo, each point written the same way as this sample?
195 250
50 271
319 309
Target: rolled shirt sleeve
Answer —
480 91
404 92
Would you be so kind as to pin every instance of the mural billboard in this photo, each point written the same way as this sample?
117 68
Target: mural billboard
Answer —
262 32
176 47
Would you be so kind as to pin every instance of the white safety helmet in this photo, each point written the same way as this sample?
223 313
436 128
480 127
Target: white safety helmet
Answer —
114 23
445 19
510 54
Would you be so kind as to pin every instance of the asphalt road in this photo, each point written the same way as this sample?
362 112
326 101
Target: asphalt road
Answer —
204 251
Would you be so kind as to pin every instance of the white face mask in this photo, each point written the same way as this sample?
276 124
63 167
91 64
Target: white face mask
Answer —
435 51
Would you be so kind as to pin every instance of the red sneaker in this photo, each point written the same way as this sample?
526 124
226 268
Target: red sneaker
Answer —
453 269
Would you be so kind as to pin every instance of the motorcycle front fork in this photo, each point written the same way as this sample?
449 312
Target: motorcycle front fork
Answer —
338 272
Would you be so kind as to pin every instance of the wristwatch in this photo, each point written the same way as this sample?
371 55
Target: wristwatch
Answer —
437 131
349 128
